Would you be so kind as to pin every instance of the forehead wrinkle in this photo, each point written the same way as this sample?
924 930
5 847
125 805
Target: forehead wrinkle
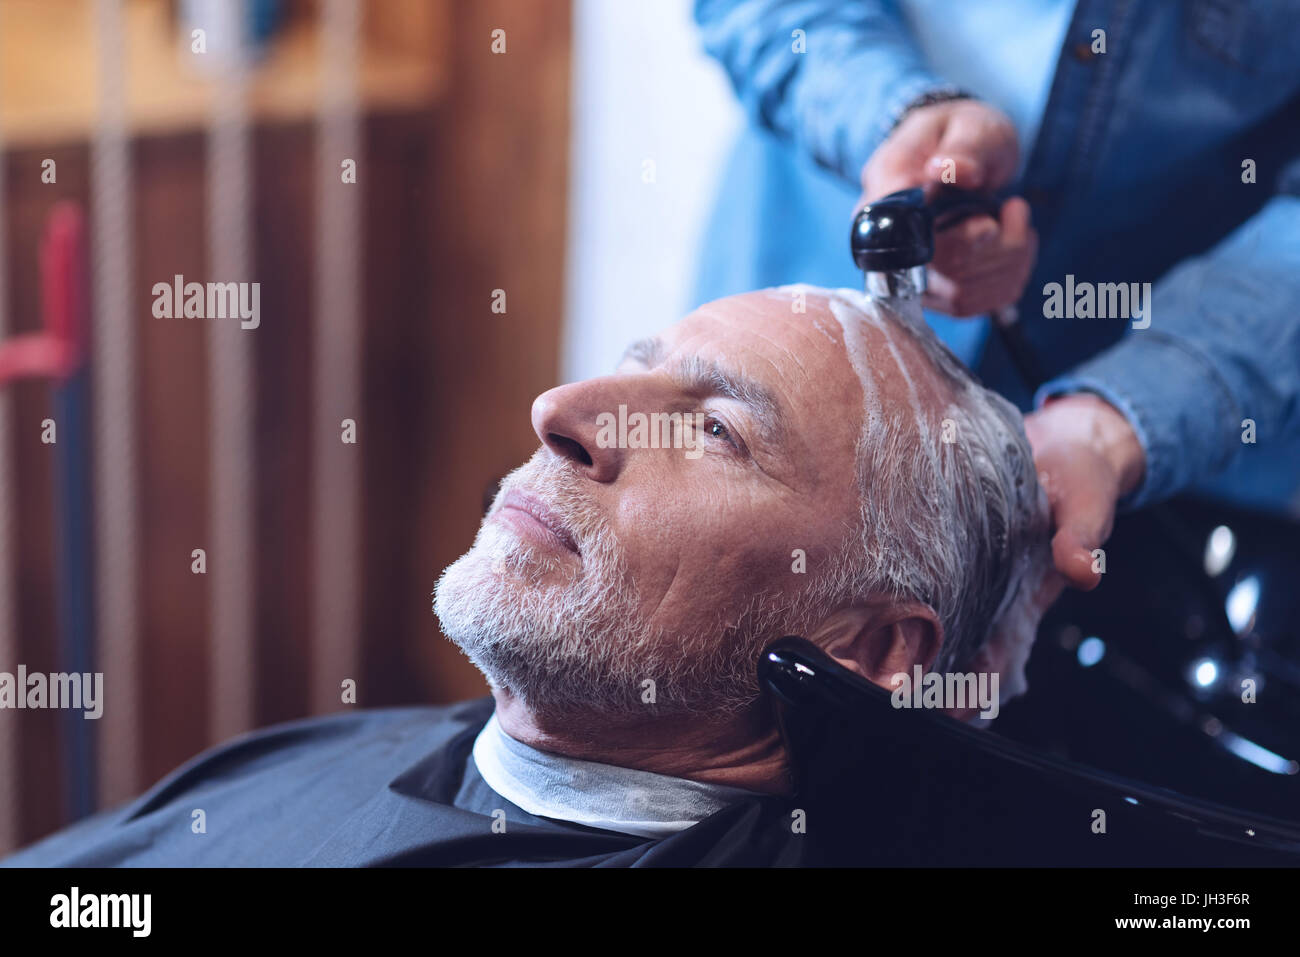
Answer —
792 353
741 313
805 323
806 327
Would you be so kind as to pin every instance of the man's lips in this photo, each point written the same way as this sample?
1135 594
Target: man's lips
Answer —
524 504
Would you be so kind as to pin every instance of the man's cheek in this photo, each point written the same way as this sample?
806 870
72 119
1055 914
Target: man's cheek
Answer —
751 562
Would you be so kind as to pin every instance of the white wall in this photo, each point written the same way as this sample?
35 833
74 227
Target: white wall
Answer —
643 90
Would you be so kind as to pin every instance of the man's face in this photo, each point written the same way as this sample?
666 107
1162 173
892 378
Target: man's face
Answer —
601 567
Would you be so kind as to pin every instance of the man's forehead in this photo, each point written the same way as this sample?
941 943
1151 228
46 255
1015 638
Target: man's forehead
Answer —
834 344
766 327
803 409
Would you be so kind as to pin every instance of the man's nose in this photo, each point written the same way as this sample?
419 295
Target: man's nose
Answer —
568 421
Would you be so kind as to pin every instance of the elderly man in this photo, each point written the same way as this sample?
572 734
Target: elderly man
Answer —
834 473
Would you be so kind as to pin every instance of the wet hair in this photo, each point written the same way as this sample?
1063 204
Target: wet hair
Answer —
952 513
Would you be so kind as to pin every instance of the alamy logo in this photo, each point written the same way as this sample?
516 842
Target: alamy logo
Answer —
652 430
82 691
75 909
215 300
947 691
1106 300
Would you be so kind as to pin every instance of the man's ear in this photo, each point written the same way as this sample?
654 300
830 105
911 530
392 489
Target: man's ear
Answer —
879 641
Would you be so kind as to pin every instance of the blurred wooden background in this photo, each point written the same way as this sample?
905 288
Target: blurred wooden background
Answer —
464 185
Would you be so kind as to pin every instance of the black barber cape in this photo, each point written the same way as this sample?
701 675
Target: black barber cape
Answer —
387 787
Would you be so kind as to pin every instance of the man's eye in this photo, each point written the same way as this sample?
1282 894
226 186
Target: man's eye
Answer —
714 428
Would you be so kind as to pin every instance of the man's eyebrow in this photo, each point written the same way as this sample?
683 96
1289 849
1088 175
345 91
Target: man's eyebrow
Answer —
695 374
648 351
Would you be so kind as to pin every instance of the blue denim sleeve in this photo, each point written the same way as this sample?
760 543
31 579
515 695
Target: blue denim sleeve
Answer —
835 89
1223 346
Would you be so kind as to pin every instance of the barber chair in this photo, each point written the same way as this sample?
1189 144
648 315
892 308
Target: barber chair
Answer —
1139 707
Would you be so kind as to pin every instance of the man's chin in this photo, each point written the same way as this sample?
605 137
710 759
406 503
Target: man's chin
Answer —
568 641
483 589
550 644
507 604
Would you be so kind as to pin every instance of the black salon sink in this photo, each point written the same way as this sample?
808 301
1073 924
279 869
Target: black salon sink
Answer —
1124 726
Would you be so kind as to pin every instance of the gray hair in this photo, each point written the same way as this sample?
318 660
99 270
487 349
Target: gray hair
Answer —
952 515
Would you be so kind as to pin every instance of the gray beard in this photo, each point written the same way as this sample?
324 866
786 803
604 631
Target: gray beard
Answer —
573 642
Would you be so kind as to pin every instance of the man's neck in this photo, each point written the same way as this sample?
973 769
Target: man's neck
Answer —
738 751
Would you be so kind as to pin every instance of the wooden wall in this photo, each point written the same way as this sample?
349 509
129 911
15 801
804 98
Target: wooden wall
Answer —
460 199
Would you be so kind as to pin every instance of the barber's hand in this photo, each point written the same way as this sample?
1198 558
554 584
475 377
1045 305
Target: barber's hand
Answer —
1088 457
981 264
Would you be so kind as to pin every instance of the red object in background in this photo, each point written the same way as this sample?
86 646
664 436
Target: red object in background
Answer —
59 349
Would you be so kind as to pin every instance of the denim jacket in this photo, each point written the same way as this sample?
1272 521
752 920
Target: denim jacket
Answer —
1139 174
